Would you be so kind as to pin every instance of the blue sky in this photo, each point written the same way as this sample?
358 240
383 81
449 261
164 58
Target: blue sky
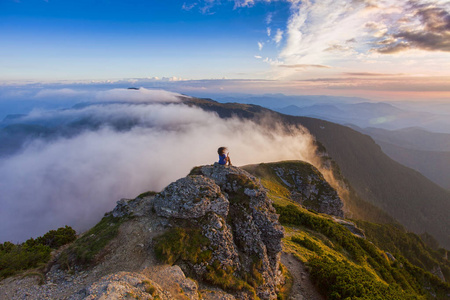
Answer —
117 39
393 49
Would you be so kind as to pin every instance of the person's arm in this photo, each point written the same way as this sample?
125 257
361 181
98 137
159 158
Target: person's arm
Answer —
228 159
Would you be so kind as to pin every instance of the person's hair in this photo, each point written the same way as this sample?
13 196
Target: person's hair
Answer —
221 150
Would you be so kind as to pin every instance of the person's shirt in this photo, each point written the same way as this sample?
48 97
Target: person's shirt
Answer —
222 159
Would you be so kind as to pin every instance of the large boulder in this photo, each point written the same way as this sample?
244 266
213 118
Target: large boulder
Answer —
191 197
232 210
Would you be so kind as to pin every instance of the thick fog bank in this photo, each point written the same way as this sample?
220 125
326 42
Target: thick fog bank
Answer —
75 179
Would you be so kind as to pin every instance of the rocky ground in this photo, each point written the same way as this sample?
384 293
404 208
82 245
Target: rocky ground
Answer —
302 288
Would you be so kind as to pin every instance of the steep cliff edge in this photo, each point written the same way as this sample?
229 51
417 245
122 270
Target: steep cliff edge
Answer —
302 183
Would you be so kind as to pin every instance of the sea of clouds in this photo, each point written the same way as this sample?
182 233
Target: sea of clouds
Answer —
142 140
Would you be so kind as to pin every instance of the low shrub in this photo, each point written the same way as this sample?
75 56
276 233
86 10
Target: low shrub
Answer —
308 244
33 253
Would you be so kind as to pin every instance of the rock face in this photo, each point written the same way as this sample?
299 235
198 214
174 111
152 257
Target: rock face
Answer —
191 197
125 285
352 227
233 212
306 185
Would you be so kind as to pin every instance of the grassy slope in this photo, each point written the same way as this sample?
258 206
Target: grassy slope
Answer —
344 265
408 196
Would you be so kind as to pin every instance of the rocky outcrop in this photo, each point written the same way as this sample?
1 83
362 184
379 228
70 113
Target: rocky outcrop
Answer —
191 197
125 285
351 226
233 212
305 183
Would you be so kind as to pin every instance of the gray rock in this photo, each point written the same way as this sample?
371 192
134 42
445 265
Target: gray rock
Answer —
351 226
124 285
311 189
191 197
390 256
438 272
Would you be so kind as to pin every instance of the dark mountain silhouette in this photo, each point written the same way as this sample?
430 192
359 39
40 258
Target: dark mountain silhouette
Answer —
412 138
424 151
435 165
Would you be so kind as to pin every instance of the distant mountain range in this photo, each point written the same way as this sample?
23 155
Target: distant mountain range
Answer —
366 114
353 110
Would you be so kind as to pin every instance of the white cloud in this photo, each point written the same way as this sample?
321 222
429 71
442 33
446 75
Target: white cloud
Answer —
278 36
58 93
243 3
269 18
141 95
260 46
318 31
188 7
269 31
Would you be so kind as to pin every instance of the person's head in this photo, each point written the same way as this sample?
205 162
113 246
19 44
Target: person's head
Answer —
222 150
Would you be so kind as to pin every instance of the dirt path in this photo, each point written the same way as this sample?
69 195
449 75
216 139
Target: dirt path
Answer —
302 288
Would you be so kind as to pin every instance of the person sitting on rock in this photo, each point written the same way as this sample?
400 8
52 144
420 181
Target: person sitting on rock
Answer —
224 157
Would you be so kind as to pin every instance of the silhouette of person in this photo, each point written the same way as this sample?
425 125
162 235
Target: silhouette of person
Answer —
224 156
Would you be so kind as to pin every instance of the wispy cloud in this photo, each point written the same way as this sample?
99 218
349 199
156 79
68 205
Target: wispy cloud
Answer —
362 33
243 3
371 74
260 46
278 36
303 66
425 26
269 18
188 7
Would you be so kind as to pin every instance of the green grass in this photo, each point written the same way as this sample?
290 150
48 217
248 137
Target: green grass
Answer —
396 240
84 250
187 245
182 244
348 267
225 278
308 244
343 280
149 288
286 288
